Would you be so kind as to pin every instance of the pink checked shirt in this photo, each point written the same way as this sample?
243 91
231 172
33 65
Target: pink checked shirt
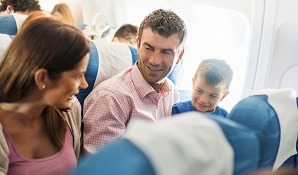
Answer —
115 102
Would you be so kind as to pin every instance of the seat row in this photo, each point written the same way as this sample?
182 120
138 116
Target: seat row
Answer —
261 133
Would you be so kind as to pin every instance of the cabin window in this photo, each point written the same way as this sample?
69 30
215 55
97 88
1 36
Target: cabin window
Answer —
215 32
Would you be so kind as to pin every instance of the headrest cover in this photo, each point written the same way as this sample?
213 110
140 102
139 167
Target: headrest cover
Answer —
119 157
283 102
189 143
244 142
5 40
114 58
20 18
255 113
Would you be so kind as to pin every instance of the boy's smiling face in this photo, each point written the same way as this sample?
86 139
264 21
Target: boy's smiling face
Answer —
205 97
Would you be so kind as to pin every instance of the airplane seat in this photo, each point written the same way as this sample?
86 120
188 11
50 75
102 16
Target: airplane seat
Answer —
177 146
121 157
134 54
11 23
90 74
106 59
273 115
244 143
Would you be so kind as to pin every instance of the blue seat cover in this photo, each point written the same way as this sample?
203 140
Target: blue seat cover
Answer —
91 73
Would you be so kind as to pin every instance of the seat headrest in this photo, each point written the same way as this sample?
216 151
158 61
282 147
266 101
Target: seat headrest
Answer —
255 113
186 144
106 59
11 23
114 58
121 157
244 142
273 116
91 73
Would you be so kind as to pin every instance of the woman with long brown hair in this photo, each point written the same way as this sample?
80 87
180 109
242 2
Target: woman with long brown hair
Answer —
41 72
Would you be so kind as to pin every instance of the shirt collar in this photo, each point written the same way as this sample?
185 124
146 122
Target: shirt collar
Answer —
143 87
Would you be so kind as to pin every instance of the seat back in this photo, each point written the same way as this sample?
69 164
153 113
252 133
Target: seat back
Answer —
121 157
11 23
91 73
189 143
106 59
273 116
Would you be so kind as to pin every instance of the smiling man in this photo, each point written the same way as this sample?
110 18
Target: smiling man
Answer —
142 91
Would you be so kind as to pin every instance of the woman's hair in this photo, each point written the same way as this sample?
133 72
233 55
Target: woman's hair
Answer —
48 44
65 11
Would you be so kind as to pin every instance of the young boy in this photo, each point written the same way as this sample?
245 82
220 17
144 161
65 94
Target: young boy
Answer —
210 86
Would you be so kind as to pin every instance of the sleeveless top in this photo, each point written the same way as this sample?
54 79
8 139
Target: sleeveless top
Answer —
60 163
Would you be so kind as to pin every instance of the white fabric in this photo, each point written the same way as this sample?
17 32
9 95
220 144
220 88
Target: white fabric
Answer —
114 58
5 40
283 102
189 143
20 18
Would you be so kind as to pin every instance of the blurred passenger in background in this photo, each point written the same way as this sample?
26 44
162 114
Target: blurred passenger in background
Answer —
13 14
62 13
127 33
18 6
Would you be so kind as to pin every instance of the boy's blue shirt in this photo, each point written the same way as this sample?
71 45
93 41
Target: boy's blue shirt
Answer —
187 106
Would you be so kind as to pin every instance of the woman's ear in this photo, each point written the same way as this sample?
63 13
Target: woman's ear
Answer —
40 78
